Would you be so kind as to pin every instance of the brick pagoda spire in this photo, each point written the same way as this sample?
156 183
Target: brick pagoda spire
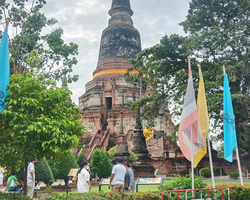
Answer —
120 41
108 94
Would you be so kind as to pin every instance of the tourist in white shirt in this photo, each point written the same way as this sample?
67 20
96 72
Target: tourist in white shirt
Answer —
83 181
31 178
117 177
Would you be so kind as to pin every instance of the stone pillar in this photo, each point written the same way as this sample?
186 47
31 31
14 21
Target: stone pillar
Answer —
138 143
121 149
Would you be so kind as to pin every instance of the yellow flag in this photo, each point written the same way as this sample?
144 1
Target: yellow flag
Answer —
203 118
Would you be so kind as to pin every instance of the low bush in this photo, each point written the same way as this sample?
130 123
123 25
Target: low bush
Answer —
205 172
132 155
234 175
13 196
217 171
184 182
110 196
239 193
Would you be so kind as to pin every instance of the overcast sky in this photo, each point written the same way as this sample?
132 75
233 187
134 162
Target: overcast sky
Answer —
84 20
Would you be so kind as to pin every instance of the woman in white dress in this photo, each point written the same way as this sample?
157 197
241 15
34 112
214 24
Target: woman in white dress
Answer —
83 181
2 176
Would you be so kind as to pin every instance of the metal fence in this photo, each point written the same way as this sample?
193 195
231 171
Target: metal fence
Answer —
200 189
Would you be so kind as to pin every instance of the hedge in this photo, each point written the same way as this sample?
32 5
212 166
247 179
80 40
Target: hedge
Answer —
234 175
240 193
205 172
13 196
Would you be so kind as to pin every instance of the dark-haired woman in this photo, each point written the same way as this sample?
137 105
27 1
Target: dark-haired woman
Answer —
83 181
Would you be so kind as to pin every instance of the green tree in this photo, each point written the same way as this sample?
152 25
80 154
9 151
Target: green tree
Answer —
100 164
39 121
219 35
56 58
164 67
64 165
80 158
43 172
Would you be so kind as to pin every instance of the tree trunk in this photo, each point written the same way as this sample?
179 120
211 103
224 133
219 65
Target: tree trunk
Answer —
25 176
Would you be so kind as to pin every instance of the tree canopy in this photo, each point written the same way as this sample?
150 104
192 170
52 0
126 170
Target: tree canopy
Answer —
38 121
218 34
30 48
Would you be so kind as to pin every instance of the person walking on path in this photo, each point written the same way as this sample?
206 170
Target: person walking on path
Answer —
83 181
129 178
31 178
106 124
117 177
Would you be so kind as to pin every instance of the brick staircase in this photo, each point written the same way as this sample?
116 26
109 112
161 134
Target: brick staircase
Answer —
101 143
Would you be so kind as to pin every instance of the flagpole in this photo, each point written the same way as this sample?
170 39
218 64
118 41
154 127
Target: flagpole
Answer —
192 145
192 157
237 150
239 166
210 159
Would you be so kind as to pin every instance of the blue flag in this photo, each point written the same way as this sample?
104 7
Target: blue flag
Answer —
4 69
230 140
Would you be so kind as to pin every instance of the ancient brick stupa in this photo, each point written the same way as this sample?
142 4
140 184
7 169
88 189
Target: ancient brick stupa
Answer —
108 95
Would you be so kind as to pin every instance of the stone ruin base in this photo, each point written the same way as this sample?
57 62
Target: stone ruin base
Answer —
143 170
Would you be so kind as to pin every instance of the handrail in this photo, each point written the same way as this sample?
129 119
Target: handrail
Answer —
91 142
104 137
93 148
193 190
93 138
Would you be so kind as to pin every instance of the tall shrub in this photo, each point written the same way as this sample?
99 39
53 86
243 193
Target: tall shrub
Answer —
53 168
43 172
64 165
80 158
100 164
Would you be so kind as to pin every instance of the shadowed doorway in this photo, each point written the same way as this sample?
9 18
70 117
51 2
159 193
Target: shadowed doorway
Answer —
108 106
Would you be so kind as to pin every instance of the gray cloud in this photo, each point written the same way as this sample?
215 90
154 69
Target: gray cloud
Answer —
84 20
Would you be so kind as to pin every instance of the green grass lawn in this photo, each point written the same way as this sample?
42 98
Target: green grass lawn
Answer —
151 188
